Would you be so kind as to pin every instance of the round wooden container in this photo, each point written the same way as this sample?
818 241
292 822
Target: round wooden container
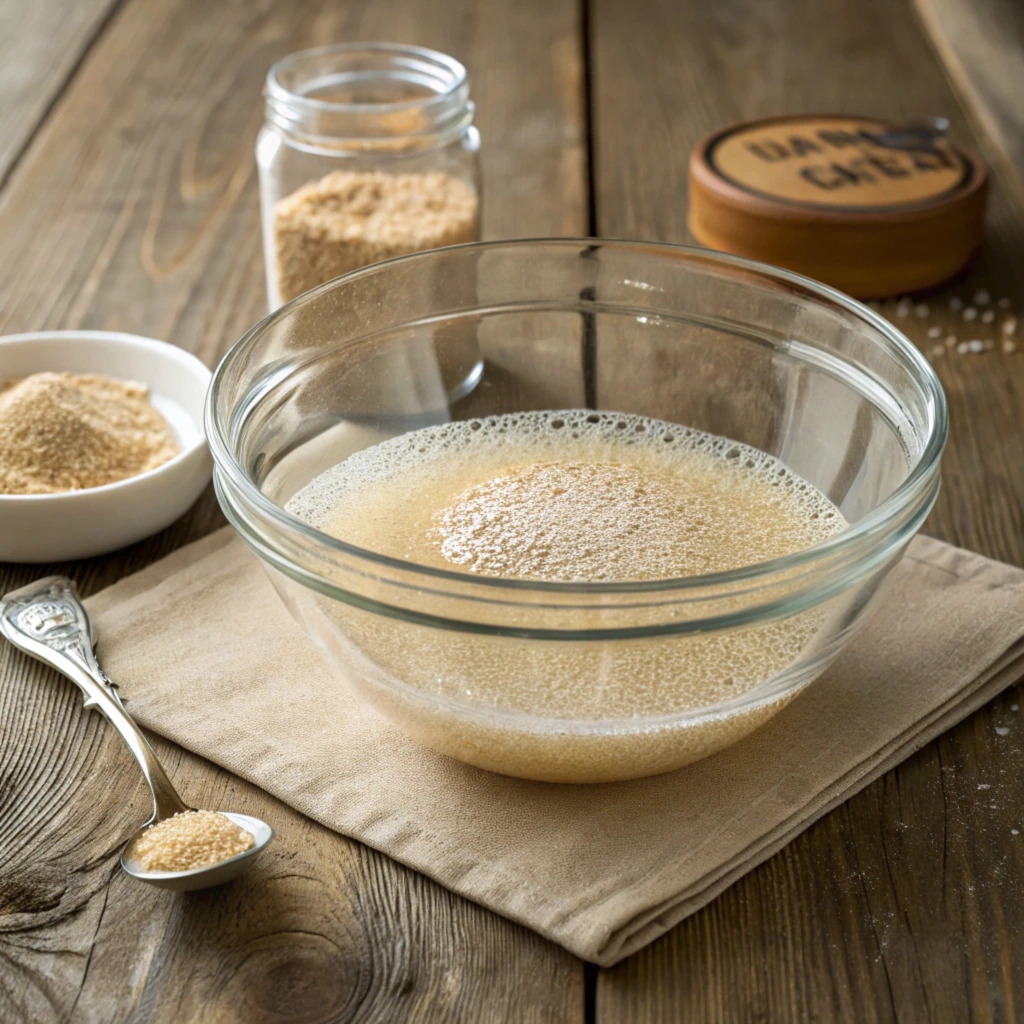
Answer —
861 204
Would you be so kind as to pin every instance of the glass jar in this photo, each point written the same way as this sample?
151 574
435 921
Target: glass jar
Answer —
368 151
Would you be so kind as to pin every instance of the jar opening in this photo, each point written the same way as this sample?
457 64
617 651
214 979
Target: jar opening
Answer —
368 92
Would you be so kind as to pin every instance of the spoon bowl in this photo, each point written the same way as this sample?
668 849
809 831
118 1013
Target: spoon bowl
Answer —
206 877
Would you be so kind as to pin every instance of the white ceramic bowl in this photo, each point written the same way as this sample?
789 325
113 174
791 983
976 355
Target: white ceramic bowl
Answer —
78 524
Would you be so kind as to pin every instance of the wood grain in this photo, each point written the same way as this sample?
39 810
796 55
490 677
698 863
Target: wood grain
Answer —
134 208
981 45
320 930
905 904
41 45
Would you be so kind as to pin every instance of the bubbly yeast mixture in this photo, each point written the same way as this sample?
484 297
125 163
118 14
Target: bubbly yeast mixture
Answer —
573 496
568 496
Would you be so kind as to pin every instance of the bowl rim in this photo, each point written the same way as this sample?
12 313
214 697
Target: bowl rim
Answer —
887 513
162 349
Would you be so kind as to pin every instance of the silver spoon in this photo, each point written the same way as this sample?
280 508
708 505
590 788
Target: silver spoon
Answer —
46 619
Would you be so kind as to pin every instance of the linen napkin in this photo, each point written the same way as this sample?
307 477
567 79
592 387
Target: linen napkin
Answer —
208 656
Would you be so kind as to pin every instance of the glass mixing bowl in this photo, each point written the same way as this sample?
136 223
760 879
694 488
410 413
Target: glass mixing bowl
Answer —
731 347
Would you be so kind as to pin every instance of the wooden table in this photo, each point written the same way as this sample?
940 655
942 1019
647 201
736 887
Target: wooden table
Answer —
128 201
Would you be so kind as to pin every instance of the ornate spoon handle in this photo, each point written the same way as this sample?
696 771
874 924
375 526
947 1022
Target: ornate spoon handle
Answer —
46 619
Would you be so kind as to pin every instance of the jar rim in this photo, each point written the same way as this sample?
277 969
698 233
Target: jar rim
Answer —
276 90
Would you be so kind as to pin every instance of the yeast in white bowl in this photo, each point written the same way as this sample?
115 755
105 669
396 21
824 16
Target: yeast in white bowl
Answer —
79 524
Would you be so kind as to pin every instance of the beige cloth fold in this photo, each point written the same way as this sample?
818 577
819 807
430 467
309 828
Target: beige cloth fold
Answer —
208 657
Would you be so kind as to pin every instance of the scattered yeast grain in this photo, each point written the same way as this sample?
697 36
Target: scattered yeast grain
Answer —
190 840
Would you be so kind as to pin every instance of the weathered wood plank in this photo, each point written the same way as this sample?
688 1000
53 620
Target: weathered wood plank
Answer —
41 44
134 208
981 45
905 904
321 929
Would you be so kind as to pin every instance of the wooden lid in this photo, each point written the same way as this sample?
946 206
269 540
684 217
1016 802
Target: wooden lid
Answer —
869 207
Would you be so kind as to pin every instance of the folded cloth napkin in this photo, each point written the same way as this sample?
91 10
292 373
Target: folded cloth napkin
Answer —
205 651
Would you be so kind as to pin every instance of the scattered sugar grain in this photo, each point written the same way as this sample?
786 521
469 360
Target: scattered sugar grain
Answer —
956 303
934 332
975 345
904 307
982 298
988 316
963 348
984 785
1010 325
970 313
1009 347
190 840
1003 303
950 340
921 310
938 350
1014 832
1002 730
1015 707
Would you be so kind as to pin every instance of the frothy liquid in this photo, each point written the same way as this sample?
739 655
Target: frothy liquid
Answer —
568 496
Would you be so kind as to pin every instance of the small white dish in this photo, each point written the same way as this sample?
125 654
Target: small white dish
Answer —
79 524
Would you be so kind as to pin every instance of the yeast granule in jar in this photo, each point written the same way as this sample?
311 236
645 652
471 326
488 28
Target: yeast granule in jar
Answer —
368 152
349 219
190 840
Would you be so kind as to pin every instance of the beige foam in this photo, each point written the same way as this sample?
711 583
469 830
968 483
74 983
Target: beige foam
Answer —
568 496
